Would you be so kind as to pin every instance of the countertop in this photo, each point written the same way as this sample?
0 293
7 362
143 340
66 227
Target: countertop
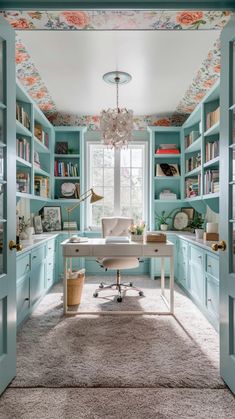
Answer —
39 239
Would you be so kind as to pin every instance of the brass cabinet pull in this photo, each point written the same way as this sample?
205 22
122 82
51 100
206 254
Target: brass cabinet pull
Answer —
219 246
14 245
156 250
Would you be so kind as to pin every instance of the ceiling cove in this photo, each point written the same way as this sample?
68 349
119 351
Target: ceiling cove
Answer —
29 76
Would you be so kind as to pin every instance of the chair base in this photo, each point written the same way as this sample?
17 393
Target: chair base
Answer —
119 286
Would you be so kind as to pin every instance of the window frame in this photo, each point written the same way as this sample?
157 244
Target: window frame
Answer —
117 179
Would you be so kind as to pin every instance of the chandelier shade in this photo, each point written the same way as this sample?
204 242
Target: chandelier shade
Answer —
116 125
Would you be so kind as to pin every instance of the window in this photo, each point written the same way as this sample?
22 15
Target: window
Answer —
120 177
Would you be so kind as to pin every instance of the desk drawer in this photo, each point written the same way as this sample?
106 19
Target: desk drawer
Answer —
117 250
74 250
157 250
37 255
22 265
212 265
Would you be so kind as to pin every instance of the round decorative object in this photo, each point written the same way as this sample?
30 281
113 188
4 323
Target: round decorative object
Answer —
119 77
180 221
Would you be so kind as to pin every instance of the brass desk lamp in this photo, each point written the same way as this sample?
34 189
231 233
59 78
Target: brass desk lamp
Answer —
88 194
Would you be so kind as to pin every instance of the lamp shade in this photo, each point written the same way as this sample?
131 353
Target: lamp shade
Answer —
95 197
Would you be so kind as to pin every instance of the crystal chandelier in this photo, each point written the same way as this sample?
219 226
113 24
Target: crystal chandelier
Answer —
116 125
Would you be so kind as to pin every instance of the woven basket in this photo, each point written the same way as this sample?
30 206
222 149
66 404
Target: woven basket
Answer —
75 287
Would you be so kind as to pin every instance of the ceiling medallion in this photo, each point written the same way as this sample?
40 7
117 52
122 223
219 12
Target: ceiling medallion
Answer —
116 125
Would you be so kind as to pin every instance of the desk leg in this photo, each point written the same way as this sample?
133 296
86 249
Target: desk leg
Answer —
65 286
172 285
163 276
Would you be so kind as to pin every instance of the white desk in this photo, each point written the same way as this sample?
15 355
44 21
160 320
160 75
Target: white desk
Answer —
98 248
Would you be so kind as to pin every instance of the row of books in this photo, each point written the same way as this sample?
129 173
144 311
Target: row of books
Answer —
190 138
41 186
193 162
41 135
212 150
23 149
193 186
65 169
22 116
211 181
23 182
212 118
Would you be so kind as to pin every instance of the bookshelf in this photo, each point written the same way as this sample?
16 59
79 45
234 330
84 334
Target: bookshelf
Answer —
33 151
68 169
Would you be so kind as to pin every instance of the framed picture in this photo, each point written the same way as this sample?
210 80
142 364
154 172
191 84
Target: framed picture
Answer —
189 211
61 147
165 169
37 221
51 218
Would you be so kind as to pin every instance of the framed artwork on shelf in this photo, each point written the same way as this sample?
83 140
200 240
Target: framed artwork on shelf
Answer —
51 218
61 147
37 221
189 211
165 169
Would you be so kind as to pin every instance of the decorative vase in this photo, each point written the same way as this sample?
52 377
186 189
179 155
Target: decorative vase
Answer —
164 227
137 237
199 233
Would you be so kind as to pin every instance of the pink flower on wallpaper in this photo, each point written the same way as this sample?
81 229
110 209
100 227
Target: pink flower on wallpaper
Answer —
78 19
38 95
217 68
189 18
163 122
199 96
30 80
46 106
96 119
20 57
209 83
20 24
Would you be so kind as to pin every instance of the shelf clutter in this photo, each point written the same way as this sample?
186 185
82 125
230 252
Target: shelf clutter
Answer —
193 162
23 149
22 182
190 138
66 169
212 150
41 186
167 149
211 181
22 116
193 186
41 134
212 118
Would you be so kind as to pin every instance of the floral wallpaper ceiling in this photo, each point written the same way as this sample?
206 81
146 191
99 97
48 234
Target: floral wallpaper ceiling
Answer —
30 78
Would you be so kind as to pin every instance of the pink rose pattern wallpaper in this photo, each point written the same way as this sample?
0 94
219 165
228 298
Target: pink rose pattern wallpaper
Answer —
30 78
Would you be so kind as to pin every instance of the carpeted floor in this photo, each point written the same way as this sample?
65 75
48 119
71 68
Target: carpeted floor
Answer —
94 366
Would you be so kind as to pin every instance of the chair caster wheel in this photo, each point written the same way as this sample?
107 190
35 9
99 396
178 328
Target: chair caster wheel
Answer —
131 284
95 294
119 299
141 293
101 285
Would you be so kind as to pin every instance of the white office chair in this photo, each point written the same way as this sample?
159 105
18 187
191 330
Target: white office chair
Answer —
117 226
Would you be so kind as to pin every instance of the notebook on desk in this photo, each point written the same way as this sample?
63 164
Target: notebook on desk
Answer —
117 239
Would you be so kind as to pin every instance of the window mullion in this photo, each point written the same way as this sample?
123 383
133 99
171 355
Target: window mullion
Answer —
117 182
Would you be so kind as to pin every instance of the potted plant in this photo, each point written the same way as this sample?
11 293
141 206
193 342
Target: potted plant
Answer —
162 219
197 225
137 231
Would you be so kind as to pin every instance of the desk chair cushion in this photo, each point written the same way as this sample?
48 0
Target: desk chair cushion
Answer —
118 263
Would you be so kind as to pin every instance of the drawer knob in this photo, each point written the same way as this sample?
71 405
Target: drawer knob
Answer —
156 250
209 300
34 257
77 250
50 264
26 299
49 248
27 266
209 266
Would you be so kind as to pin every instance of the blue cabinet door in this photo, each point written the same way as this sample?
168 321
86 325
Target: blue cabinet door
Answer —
7 205
227 205
196 273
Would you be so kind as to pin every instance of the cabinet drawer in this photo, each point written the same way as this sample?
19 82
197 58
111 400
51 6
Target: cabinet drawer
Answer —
37 255
196 255
22 265
212 296
212 265
50 248
22 298
183 247
49 278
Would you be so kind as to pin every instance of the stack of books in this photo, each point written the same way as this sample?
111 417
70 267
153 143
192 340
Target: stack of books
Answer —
22 182
193 186
22 116
190 138
65 169
193 162
212 118
167 149
212 150
41 135
166 194
41 186
23 149
211 181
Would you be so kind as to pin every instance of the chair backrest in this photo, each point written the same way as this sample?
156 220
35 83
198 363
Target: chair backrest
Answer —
116 226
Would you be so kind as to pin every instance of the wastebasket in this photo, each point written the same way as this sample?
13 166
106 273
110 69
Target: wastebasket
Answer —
75 283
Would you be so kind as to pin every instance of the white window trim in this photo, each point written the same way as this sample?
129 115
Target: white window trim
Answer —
146 194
